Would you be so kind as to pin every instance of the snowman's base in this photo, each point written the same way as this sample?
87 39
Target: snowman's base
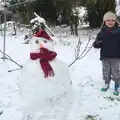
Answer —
47 97
54 108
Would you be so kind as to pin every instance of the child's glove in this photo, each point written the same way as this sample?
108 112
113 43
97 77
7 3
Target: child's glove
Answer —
98 41
97 44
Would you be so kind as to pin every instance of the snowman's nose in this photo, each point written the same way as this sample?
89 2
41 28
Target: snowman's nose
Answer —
41 45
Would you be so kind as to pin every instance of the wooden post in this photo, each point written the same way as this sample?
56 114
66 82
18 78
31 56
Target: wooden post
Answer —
4 43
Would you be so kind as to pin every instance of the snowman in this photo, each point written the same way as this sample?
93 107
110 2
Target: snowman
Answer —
45 83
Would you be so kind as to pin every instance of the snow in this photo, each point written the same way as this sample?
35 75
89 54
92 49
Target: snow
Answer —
118 7
81 11
41 20
86 74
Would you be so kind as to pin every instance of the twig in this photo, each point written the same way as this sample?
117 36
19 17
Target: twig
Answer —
14 69
85 47
78 48
9 58
77 52
73 62
86 53
1 112
5 54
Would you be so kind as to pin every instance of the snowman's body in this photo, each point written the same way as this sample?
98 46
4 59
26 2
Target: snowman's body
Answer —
51 96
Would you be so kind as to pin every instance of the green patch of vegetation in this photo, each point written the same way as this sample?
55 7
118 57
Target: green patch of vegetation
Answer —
91 117
110 98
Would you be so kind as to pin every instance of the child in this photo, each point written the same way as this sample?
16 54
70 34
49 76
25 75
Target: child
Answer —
108 40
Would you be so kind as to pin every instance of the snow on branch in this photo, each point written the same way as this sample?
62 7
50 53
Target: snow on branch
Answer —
38 18
42 20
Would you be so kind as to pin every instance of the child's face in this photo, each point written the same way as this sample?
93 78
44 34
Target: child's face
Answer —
110 23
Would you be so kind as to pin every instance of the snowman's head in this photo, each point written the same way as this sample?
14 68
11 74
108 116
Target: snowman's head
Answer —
41 39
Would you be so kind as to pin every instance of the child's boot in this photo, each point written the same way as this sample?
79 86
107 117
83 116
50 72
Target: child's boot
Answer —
116 92
105 87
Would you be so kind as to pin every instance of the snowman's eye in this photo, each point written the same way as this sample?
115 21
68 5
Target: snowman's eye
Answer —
45 41
37 42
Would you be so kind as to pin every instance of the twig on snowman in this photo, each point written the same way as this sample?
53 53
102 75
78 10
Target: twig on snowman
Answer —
1 112
79 56
9 58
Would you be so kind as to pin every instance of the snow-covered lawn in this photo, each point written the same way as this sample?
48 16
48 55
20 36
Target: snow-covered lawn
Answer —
86 74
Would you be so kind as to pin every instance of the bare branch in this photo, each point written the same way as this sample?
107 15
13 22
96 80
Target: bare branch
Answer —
86 53
79 56
78 47
77 50
85 47
73 62
9 58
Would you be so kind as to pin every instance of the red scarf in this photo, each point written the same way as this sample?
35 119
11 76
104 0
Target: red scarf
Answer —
45 56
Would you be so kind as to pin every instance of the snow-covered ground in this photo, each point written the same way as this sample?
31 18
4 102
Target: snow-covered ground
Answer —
89 102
